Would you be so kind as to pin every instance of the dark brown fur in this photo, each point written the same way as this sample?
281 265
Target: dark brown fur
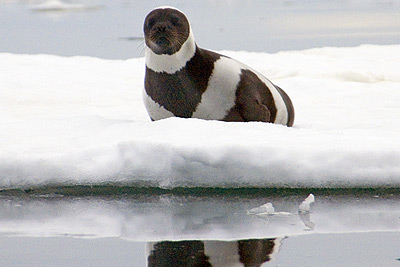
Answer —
181 92
165 30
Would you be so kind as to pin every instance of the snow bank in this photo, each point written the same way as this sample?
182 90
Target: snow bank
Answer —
80 120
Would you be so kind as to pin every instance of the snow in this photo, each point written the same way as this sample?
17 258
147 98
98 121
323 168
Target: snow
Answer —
81 120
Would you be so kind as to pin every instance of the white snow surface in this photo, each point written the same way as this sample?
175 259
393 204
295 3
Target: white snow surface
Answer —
81 120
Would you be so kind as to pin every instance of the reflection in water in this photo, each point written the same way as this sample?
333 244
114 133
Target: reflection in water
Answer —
247 252
119 224
250 252
306 219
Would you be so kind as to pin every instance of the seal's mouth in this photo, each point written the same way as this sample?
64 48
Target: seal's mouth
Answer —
163 41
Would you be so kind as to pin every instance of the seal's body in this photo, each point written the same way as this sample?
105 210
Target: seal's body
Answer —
186 81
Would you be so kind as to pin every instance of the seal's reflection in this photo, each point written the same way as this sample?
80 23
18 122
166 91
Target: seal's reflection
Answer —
250 252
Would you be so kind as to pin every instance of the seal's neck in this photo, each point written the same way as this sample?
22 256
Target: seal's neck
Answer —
171 63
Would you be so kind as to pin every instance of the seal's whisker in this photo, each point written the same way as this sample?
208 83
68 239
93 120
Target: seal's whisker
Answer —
141 46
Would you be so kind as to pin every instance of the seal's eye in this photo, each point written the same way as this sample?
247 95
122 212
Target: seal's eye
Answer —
150 23
175 21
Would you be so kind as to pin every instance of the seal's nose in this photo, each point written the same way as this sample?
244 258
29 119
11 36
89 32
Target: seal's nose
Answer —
161 27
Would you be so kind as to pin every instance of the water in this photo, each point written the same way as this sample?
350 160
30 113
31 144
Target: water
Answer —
113 29
118 226
310 250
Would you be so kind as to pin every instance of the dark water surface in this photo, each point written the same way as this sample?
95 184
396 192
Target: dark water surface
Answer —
113 29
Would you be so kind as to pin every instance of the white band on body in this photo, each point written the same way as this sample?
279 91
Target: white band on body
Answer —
171 63
220 95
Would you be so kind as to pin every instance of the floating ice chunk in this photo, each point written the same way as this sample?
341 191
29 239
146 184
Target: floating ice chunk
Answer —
305 205
267 210
50 127
263 209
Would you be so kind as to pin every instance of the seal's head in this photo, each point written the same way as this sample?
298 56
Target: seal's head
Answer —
166 30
